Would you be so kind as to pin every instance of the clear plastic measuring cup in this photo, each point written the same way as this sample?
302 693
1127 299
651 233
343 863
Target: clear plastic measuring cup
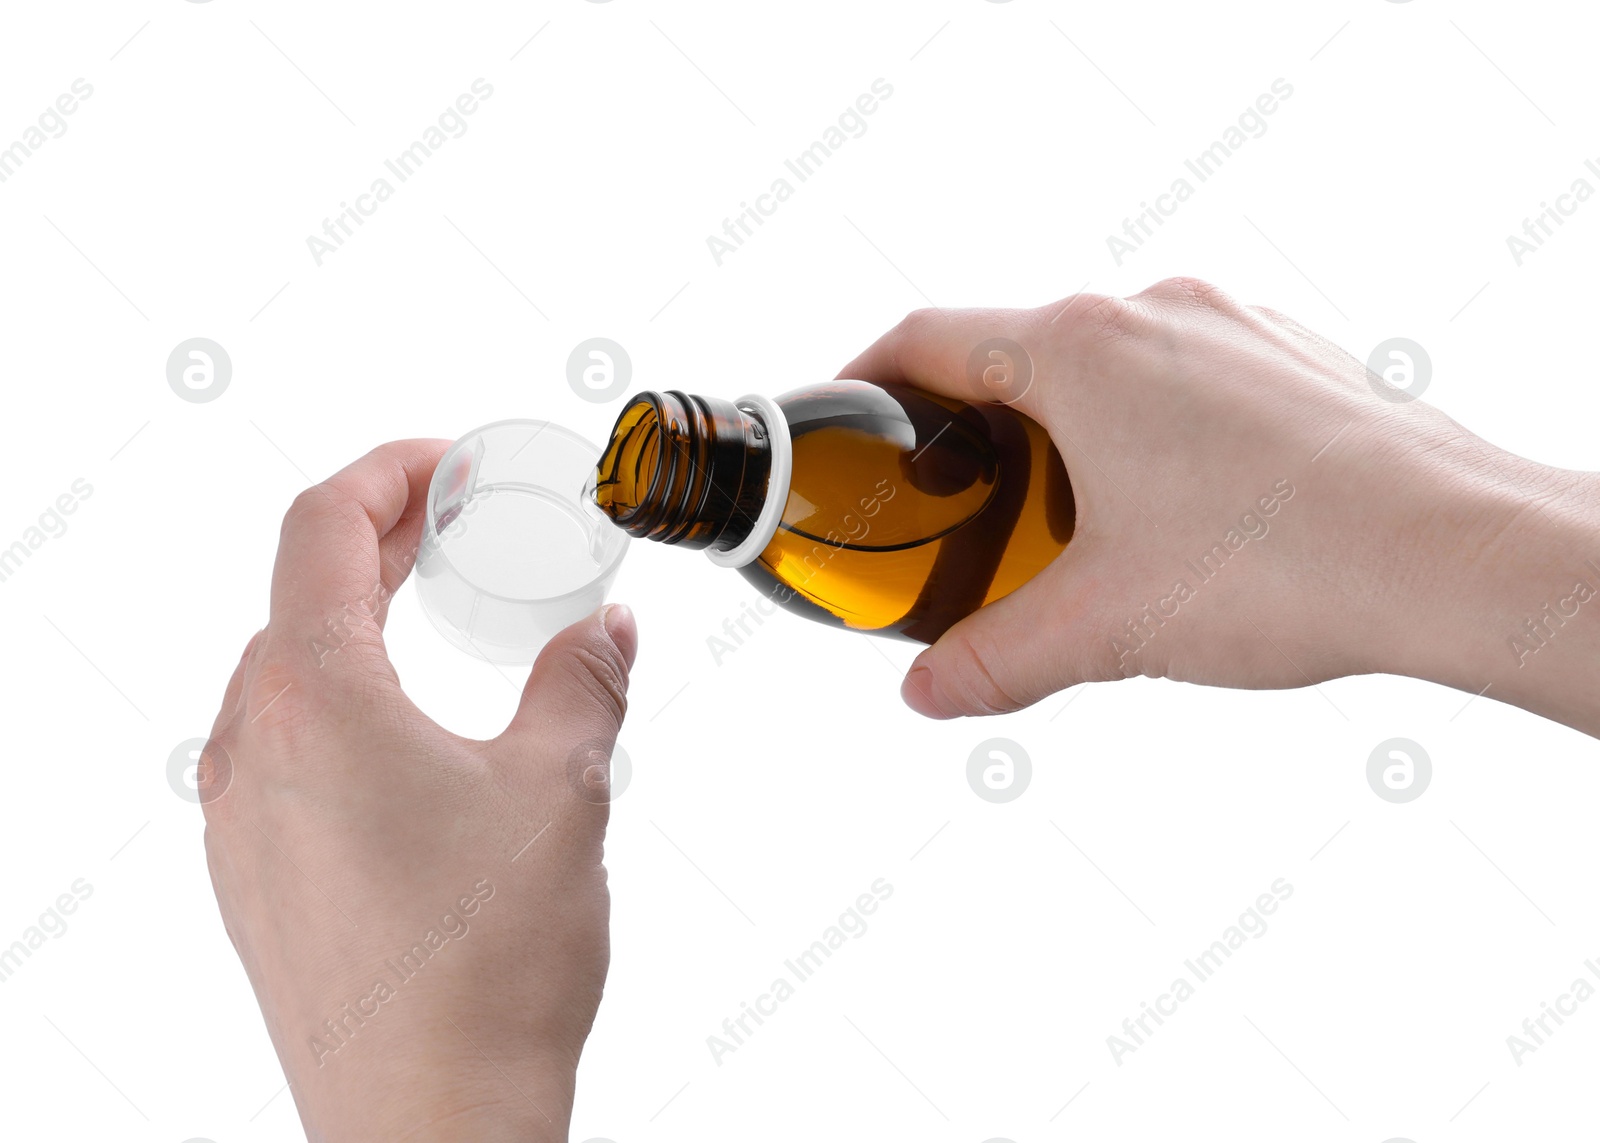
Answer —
512 551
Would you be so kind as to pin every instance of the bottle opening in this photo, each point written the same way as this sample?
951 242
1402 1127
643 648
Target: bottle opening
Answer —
685 470
630 465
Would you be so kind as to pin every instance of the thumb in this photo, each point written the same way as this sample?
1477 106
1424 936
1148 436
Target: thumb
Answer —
1006 655
577 693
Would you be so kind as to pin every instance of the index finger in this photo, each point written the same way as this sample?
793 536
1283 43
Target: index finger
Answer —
348 543
973 355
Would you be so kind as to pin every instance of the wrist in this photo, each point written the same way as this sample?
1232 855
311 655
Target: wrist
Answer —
516 1121
1503 608
441 1095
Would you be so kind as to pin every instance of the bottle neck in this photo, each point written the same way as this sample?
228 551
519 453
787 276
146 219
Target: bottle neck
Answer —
686 470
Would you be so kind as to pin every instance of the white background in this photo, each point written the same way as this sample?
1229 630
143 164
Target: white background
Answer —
977 1005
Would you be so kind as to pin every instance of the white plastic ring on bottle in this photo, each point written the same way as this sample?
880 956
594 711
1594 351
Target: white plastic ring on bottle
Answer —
771 514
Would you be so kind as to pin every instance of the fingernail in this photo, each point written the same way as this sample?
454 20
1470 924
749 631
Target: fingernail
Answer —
919 694
618 620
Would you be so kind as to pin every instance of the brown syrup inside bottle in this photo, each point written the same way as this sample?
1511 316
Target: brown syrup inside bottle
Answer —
906 511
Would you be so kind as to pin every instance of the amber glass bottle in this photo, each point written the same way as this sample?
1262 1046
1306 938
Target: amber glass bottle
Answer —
872 507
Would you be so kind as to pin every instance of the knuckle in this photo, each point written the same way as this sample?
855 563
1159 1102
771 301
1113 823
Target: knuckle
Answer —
975 684
604 675
915 328
314 503
277 704
1192 291
589 769
215 779
303 507
919 319
1104 319
303 511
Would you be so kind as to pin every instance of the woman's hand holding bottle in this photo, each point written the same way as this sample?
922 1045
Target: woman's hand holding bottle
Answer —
1253 513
